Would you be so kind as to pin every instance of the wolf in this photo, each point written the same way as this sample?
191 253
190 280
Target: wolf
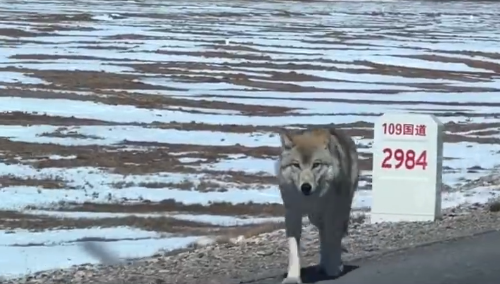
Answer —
317 172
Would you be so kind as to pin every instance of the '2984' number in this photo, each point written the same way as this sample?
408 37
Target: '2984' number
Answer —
407 158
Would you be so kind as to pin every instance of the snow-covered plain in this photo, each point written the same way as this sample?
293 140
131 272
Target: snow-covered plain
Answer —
328 38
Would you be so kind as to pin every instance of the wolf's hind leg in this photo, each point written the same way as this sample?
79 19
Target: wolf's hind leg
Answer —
293 224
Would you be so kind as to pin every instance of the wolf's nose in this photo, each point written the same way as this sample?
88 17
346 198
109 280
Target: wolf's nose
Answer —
306 188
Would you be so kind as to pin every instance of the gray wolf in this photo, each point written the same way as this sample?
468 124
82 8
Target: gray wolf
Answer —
317 173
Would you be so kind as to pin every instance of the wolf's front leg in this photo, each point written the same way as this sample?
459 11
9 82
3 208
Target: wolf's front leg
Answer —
330 237
293 224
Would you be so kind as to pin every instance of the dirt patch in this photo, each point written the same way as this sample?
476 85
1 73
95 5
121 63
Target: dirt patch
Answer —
97 46
452 138
132 37
201 185
21 33
58 18
160 224
207 150
491 55
27 119
213 180
59 57
89 80
16 220
473 63
465 127
184 185
125 162
134 99
46 182
216 54
352 129
205 72
63 132
59 28
25 150
170 205
247 48
164 102
412 72
271 80
486 133
384 101
130 161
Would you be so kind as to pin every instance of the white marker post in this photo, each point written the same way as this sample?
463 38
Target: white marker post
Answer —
407 168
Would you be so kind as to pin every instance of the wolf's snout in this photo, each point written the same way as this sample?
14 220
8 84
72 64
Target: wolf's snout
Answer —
306 188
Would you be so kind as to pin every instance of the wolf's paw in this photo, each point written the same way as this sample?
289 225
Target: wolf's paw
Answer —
291 280
333 272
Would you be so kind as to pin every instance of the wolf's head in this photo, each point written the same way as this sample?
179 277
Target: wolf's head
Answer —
308 160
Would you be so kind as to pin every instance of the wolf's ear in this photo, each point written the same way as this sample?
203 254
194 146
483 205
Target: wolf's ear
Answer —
324 137
286 140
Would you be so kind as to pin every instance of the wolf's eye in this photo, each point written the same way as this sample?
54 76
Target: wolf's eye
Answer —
296 165
315 165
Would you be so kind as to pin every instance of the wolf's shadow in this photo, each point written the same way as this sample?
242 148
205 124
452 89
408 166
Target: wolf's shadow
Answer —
312 274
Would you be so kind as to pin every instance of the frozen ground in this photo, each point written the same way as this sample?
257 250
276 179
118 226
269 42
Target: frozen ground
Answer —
147 124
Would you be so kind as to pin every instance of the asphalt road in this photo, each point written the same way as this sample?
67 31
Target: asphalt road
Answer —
474 259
